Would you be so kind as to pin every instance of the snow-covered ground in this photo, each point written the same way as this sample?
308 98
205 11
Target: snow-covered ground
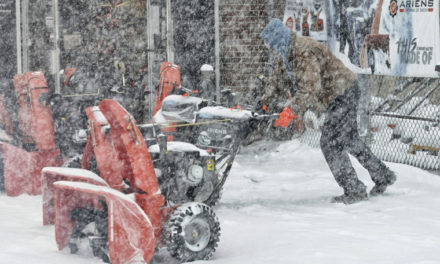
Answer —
275 209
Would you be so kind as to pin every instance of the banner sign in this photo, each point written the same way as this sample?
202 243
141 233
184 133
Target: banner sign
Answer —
386 37
306 18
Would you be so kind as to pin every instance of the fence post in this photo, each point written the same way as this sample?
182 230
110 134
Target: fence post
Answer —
364 103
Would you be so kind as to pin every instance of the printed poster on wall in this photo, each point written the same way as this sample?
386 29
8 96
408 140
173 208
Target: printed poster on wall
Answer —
388 37
306 18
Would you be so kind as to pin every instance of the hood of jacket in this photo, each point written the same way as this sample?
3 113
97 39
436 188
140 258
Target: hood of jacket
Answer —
277 36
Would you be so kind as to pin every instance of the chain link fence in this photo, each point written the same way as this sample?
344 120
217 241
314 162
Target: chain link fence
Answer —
399 119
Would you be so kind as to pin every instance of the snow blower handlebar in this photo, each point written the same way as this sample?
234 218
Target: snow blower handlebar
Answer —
283 119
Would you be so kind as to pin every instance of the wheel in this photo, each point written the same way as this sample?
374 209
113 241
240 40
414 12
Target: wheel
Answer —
192 232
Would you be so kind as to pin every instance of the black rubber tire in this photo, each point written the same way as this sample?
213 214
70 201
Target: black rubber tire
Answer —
181 219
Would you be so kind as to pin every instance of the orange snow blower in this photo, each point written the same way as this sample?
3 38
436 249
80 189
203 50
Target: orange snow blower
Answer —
23 160
122 216
169 80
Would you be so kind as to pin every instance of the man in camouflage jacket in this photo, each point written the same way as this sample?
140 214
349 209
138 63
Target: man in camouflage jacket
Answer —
311 78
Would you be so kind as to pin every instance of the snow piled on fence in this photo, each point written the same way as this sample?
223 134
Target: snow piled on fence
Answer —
275 209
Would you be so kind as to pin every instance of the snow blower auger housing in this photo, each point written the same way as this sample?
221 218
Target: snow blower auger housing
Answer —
124 223
23 158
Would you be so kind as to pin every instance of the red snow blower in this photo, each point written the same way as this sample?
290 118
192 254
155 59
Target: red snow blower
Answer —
39 128
122 216
169 80
23 159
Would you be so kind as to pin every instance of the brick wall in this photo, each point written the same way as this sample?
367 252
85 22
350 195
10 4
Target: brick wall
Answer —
242 52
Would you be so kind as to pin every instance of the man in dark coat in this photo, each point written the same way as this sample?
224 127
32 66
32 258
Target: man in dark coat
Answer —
314 79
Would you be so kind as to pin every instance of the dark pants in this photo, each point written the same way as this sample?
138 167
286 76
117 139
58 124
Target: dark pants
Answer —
340 136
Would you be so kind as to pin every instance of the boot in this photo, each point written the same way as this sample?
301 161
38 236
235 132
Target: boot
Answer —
350 198
380 187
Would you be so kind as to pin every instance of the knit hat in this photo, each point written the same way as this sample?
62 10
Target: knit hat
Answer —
277 35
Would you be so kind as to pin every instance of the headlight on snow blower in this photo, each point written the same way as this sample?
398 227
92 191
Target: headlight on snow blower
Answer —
195 174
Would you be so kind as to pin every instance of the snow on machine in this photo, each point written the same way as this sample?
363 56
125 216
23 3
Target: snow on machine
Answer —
122 215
